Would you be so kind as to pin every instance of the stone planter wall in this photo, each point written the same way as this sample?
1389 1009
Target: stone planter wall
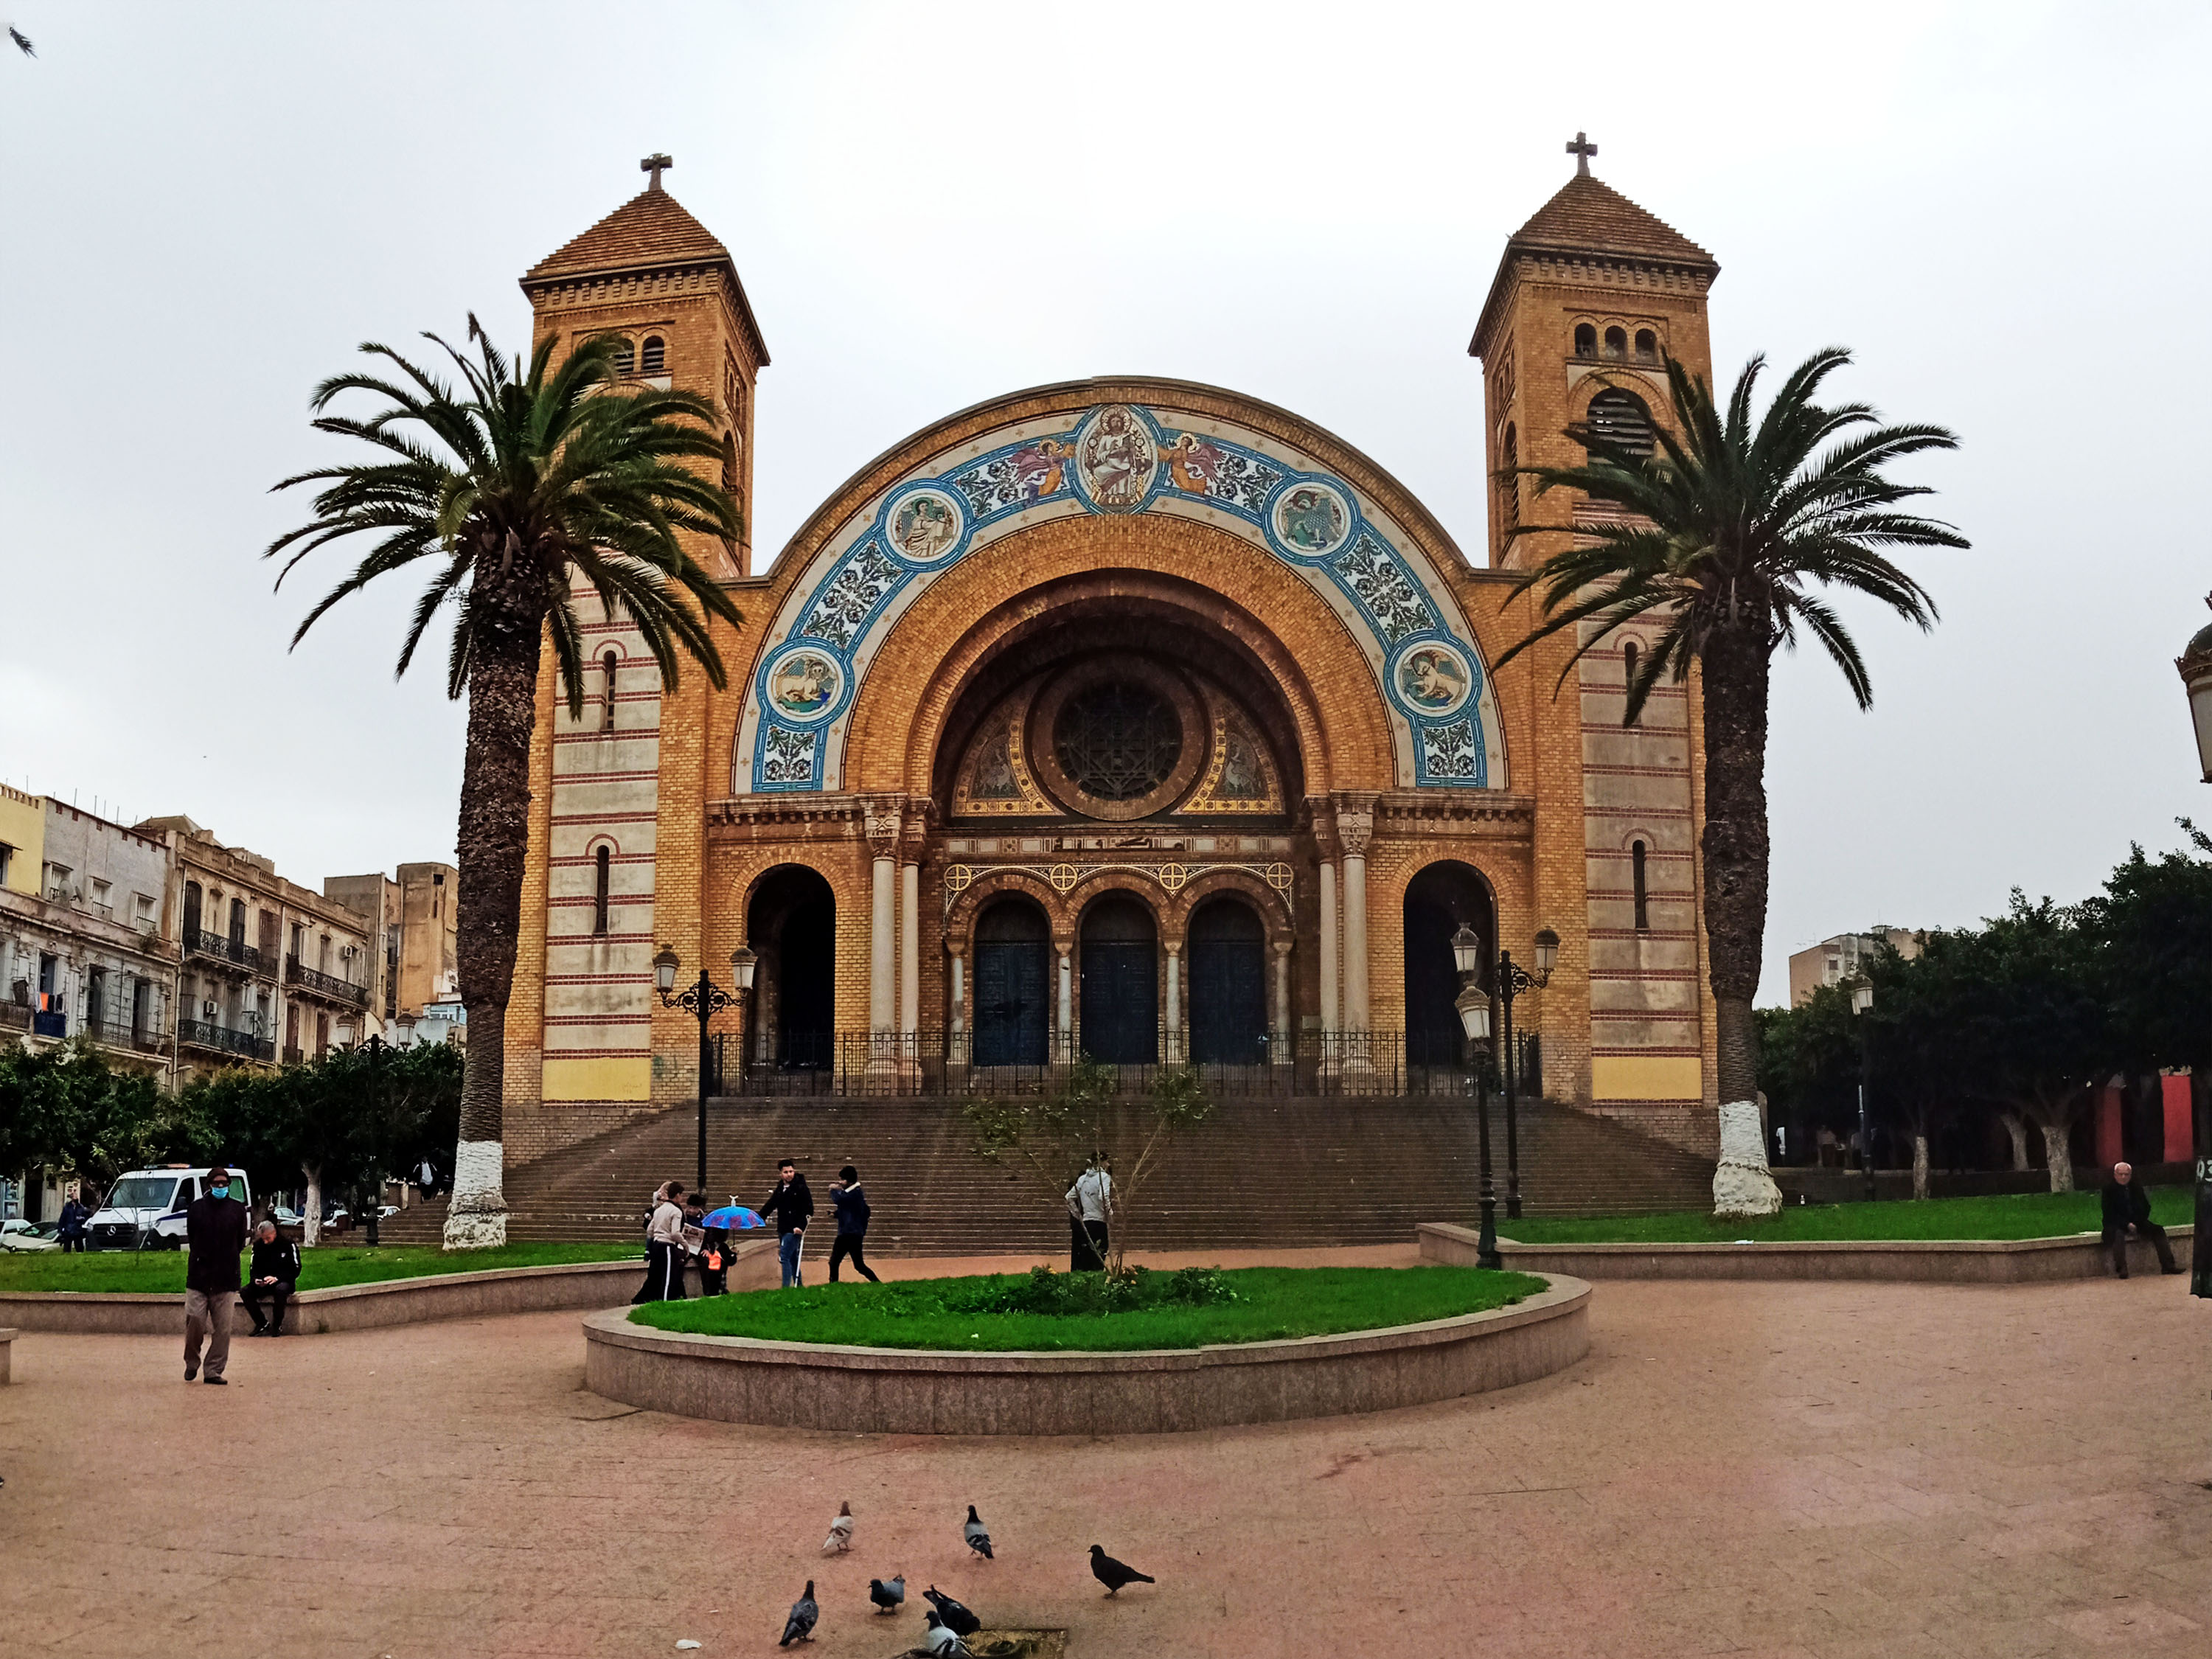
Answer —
918 1391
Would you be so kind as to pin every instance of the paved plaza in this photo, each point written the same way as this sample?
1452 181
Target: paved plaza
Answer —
1749 1469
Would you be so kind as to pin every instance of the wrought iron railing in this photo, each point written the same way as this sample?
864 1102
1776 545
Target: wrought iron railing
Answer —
1307 1063
221 1038
15 1016
325 985
220 946
144 1038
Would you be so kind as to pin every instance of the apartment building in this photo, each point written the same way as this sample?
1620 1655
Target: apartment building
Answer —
1833 961
413 921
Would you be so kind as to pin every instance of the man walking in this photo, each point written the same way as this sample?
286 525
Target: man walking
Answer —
2128 1205
272 1278
1090 1203
853 1213
214 1233
71 1231
792 1205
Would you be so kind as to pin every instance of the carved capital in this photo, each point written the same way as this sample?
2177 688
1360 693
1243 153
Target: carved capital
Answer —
1355 823
883 820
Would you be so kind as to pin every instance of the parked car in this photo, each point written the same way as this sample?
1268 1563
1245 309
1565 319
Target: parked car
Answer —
152 1202
29 1235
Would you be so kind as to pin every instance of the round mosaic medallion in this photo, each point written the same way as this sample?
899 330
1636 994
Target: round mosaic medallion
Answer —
1115 459
1432 679
923 525
804 684
1310 519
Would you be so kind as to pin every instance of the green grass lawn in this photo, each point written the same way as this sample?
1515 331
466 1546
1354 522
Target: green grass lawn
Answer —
321 1268
2025 1215
934 1313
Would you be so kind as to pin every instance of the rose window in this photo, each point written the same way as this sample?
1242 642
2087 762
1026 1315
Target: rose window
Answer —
1117 741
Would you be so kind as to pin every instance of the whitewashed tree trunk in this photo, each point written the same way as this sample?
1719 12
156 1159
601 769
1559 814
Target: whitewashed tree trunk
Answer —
1920 1166
311 1226
476 1218
2060 1156
1741 1185
2016 1127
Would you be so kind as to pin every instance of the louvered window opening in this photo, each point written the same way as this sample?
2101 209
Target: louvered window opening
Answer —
1620 417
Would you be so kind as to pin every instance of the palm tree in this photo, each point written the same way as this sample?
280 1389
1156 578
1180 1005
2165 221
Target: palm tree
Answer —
1731 524
536 489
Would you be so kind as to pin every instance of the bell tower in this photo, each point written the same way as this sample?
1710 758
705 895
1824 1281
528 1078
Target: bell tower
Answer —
655 276
1591 295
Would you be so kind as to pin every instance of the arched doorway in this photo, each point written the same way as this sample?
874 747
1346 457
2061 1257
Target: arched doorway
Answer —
1439 900
1228 985
1120 982
1013 984
791 923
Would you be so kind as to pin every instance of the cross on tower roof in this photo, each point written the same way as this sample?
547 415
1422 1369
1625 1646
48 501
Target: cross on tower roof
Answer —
1581 150
655 165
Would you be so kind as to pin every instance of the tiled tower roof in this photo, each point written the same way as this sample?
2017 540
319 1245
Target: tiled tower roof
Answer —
651 230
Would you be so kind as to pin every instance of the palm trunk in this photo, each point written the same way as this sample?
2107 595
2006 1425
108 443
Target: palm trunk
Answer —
494 834
2058 1153
1735 843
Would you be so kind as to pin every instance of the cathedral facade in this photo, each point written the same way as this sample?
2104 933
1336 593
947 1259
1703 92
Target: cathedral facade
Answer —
1129 718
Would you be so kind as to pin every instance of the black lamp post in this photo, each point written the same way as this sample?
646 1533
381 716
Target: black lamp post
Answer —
1473 1006
2196 665
1861 1006
1512 979
706 999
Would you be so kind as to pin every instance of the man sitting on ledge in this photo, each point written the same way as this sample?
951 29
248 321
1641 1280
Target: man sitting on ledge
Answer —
275 1273
2128 1205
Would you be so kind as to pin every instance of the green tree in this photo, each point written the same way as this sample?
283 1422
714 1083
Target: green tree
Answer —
2153 928
1051 1138
526 488
1731 524
66 1107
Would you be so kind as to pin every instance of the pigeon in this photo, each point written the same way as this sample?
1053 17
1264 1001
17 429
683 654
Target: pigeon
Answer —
957 1617
940 1640
1114 1574
800 1627
841 1531
887 1597
978 1539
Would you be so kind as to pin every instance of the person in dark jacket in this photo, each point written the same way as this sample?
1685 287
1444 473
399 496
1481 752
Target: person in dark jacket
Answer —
845 1192
70 1232
214 1235
272 1278
793 1206
2128 1205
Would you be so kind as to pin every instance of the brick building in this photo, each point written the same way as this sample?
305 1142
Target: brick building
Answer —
1125 716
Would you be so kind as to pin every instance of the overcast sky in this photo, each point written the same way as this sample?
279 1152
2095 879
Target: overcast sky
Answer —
2000 208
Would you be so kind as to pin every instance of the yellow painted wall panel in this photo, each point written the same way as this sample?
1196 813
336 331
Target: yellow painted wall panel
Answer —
1647 1077
601 1077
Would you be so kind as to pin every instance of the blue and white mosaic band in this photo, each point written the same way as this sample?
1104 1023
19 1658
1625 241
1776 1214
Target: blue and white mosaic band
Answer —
1120 458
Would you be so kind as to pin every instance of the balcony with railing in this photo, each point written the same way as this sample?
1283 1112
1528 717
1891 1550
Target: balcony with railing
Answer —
221 1039
145 1037
15 1016
222 948
328 986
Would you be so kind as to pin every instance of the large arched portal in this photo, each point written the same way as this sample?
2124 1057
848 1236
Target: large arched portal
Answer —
791 923
1440 898
1013 984
1121 998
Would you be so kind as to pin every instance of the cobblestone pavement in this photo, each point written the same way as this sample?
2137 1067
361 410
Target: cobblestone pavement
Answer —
1749 1469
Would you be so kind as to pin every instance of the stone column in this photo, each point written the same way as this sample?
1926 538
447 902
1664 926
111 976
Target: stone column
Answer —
1066 1001
1279 1050
959 1012
1331 1014
882 831
909 980
1171 1013
1355 826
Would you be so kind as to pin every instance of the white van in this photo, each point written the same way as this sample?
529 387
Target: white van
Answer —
153 1201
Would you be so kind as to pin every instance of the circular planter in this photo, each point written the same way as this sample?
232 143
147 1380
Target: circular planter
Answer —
800 1385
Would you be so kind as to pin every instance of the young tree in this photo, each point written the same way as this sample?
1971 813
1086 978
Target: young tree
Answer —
528 489
1731 523
1052 1138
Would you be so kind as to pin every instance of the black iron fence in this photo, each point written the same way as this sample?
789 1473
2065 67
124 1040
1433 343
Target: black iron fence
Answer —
850 1064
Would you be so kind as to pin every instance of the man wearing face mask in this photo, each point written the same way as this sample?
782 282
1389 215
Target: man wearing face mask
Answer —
214 1233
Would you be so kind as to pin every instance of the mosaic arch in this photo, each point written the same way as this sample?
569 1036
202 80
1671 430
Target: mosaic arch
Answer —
1120 458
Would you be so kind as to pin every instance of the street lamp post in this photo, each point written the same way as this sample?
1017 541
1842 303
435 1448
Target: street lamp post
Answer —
2196 665
1473 1009
706 999
1512 979
1861 1006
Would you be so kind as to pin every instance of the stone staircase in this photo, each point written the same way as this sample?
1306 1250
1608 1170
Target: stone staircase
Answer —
1257 1174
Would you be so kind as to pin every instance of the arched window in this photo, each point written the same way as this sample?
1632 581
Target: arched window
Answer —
625 358
656 354
1616 343
1628 654
1509 481
1647 345
611 662
1620 417
1636 871
1585 340
605 860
